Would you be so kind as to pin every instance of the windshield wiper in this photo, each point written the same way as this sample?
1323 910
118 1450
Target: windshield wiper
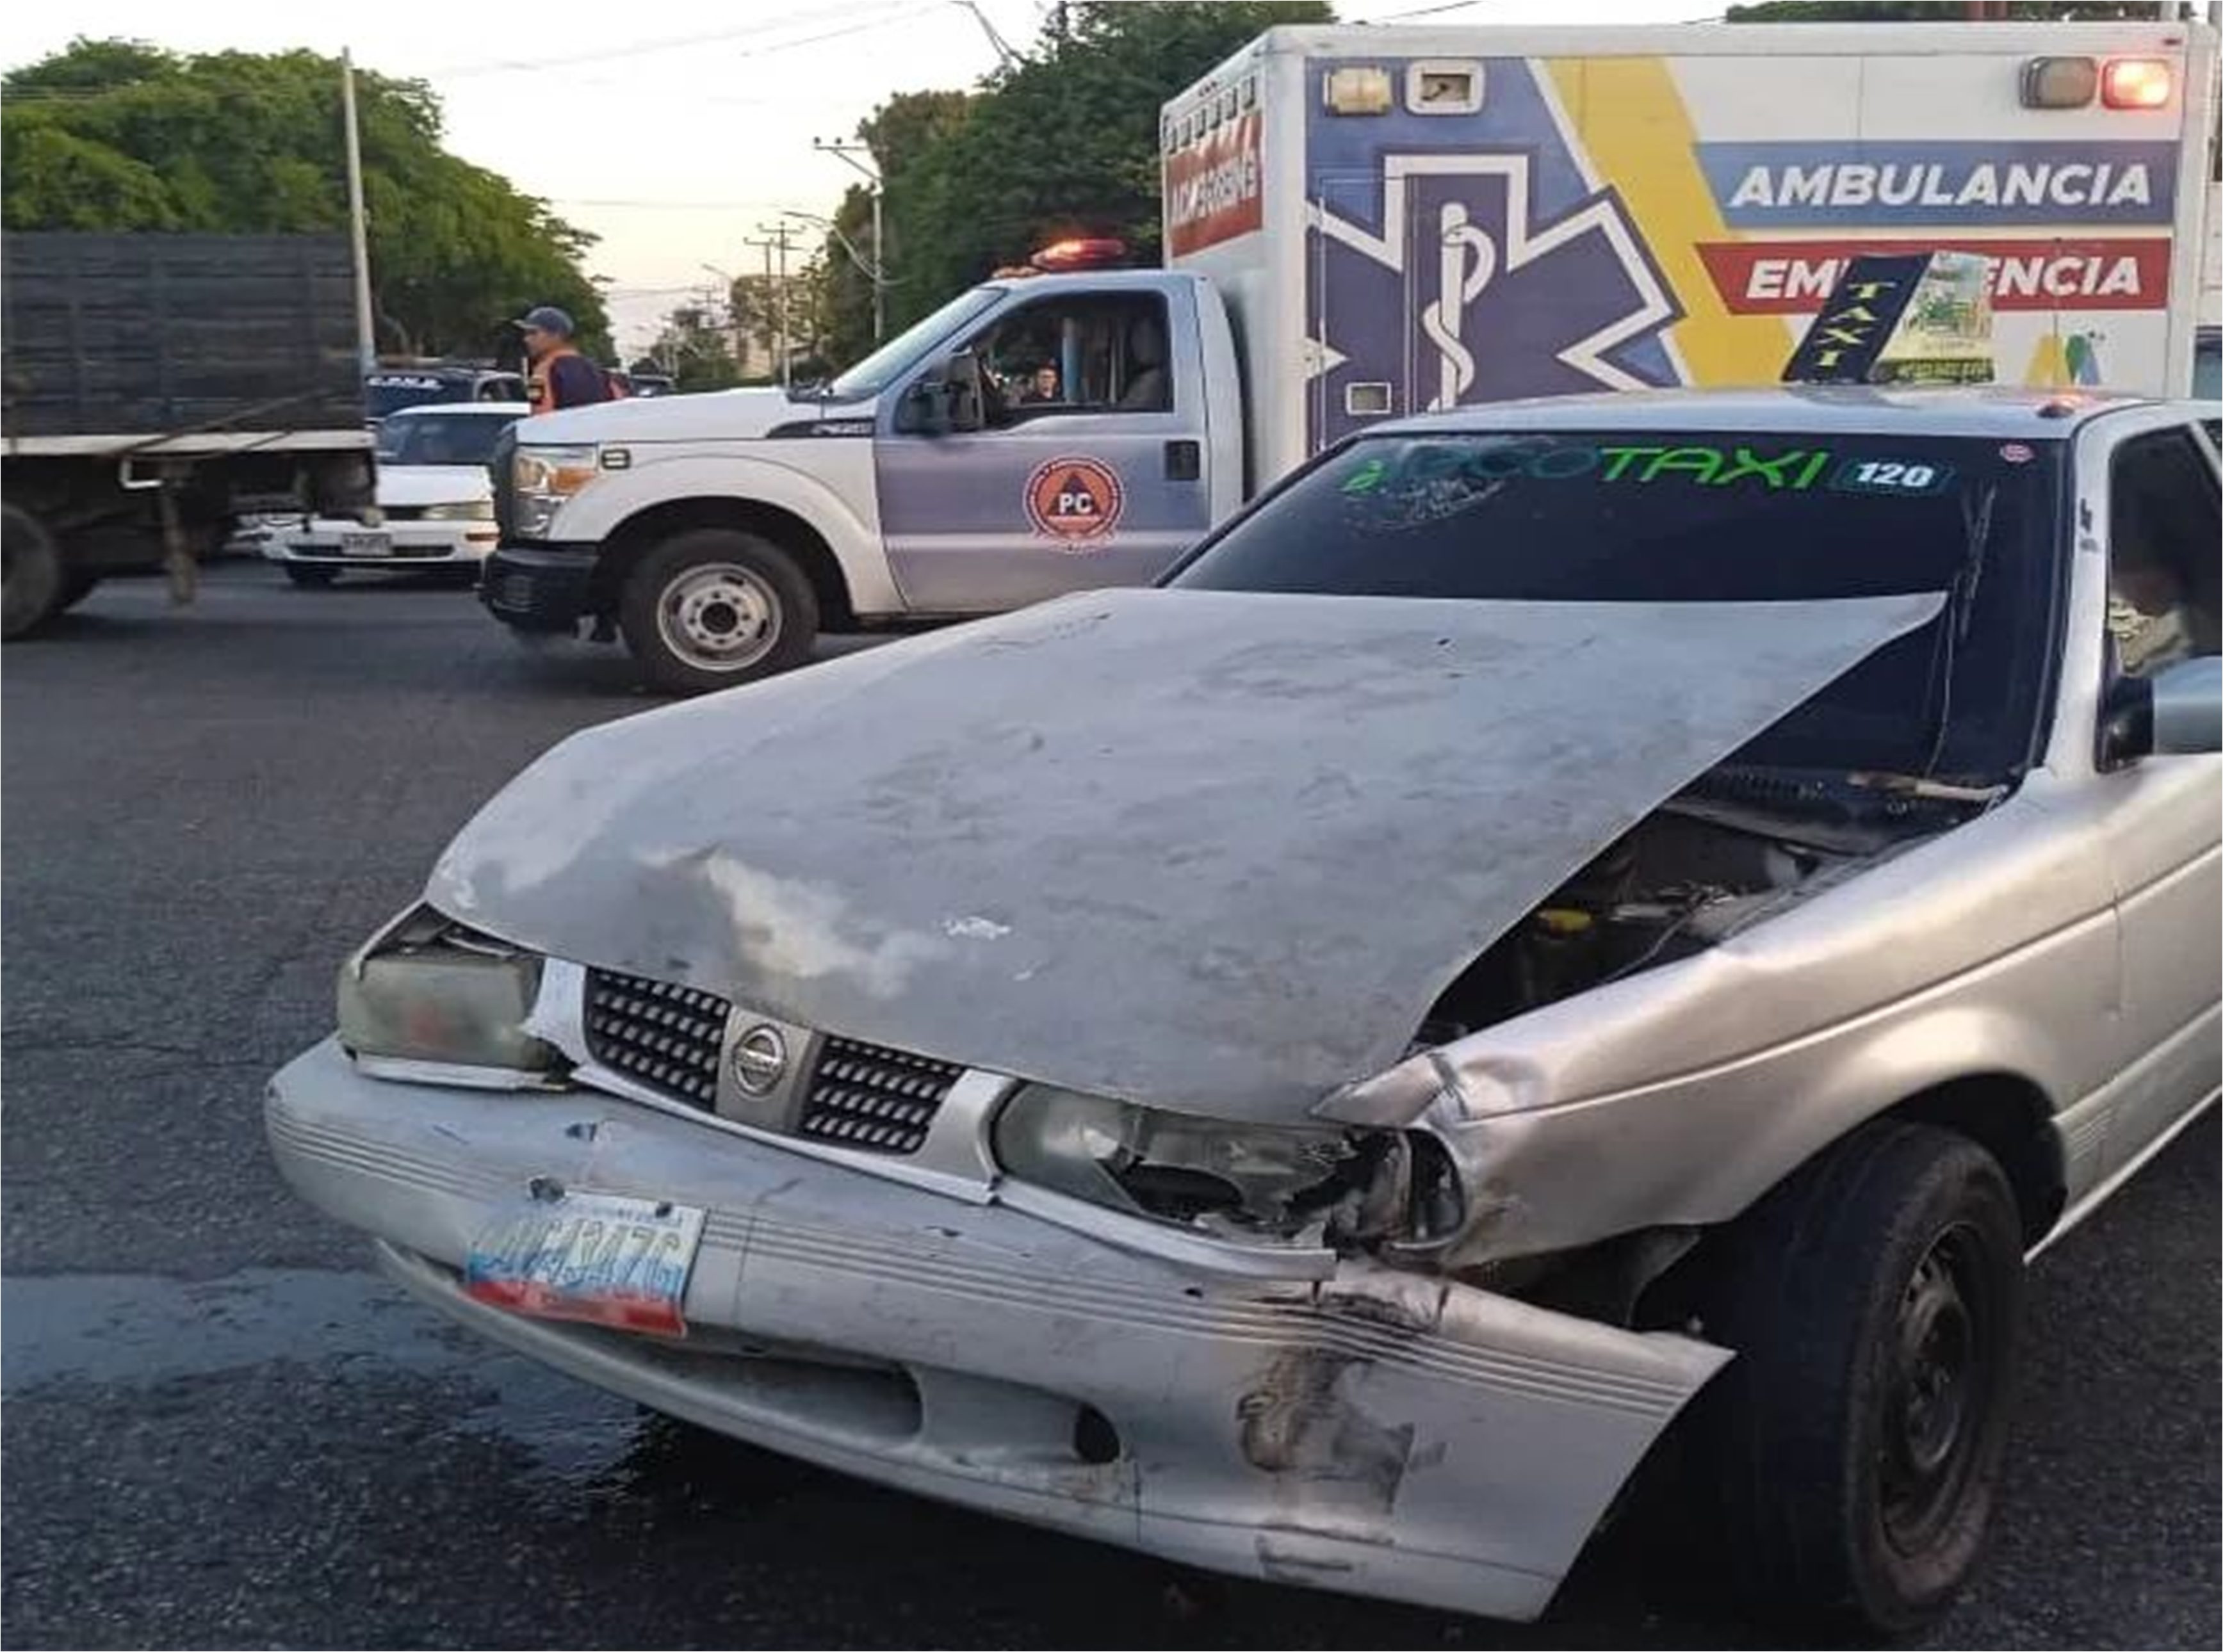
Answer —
1954 622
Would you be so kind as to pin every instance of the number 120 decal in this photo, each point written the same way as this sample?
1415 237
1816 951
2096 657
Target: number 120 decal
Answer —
1889 476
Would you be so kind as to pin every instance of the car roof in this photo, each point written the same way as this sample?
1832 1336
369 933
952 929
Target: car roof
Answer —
423 409
1978 410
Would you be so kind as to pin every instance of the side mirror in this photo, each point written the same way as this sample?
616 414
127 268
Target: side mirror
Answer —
944 399
960 383
920 410
2178 710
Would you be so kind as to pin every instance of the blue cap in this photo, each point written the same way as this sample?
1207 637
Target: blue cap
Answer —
549 319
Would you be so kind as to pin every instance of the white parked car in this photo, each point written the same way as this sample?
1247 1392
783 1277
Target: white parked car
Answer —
435 498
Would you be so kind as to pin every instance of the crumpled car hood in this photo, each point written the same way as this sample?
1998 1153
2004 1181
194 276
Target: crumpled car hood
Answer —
1212 851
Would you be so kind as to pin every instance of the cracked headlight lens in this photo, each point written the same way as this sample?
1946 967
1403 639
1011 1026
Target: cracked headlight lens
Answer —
1172 1166
427 990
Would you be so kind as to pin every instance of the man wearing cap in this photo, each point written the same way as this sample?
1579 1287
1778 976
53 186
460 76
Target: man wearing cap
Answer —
561 377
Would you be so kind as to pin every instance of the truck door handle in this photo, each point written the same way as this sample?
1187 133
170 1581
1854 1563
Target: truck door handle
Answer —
1184 461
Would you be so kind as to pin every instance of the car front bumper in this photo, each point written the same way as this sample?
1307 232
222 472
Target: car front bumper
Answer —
410 544
1375 1432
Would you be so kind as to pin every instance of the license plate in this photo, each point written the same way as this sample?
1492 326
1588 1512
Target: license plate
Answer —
593 1257
366 544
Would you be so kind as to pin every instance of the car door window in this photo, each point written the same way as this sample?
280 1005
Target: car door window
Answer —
1089 353
2164 600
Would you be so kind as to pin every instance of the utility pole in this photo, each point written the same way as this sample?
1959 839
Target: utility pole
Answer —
849 152
366 340
772 237
768 243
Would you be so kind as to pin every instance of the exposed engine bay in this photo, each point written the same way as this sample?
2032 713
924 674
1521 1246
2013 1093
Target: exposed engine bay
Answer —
1736 846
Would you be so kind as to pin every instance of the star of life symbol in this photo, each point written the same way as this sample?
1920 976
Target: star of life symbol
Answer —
1513 309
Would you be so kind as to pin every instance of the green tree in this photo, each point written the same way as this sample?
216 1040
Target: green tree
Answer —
1062 142
119 136
905 135
696 348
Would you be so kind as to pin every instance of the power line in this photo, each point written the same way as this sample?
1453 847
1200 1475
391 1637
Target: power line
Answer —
864 20
877 15
756 206
1428 11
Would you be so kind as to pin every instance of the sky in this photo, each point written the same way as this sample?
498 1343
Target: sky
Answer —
676 131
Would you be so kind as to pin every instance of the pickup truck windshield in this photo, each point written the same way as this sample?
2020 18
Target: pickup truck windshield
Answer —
1692 517
896 357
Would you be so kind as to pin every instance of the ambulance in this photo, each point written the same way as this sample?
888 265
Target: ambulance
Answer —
1362 223
1429 218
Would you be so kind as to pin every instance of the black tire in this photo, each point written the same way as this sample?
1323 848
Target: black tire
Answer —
309 576
34 575
76 588
712 607
1854 1472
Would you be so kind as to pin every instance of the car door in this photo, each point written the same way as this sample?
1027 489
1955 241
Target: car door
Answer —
1090 471
2159 533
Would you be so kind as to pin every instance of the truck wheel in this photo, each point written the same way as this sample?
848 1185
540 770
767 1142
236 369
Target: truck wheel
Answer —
1853 1445
309 576
715 606
33 579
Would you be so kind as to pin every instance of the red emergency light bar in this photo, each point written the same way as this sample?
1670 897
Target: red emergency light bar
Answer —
1080 253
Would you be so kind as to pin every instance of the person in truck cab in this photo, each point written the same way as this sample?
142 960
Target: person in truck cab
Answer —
560 376
1041 387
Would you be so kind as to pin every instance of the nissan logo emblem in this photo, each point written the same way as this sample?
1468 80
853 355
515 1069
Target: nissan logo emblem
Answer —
759 1059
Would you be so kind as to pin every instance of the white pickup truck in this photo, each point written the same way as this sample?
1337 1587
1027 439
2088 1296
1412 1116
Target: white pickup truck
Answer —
1366 222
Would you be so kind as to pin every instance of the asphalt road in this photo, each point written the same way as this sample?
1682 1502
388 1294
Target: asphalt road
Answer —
219 1430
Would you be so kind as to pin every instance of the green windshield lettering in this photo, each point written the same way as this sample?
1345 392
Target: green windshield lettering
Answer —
1366 478
1702 462
1624 457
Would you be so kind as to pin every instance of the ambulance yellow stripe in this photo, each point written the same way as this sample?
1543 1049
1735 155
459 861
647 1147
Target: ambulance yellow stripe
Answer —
1630 118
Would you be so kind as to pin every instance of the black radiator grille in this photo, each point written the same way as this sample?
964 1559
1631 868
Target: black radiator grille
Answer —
865 1095
658 1031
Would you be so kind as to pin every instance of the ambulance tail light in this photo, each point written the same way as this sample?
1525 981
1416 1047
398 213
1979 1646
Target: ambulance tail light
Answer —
2135 83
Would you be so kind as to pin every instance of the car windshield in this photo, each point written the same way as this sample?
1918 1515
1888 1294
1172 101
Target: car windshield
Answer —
1695 517
893 359
442 438
388 393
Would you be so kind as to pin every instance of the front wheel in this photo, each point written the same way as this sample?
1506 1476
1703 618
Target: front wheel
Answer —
712 607
1853 1444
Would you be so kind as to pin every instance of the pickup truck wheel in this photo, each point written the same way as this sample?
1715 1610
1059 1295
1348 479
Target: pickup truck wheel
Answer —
33 579
715 606
309 576
1853 1444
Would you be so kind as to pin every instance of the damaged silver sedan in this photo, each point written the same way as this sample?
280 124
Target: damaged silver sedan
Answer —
1559 912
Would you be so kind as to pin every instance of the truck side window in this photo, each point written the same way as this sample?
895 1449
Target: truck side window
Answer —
1088 352
2164 586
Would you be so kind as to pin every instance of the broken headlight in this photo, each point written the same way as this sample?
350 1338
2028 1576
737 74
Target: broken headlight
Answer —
1324 1182
429 990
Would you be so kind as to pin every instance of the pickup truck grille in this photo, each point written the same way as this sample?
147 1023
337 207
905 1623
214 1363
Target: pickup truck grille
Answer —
866 1095
663 1035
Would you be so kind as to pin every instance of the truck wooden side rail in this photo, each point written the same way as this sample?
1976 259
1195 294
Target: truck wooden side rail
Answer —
156 387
